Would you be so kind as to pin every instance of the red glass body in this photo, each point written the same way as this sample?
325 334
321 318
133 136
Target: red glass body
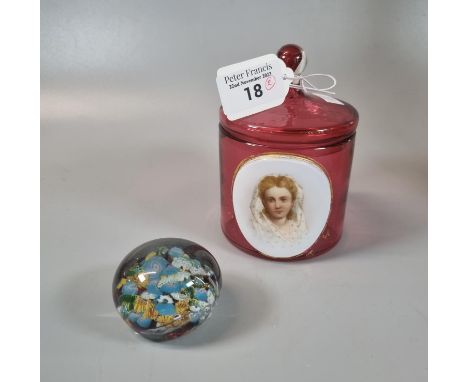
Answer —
304 125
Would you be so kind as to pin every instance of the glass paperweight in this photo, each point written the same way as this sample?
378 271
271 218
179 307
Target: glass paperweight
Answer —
166 287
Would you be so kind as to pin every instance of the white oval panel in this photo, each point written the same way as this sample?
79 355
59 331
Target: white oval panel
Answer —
273 223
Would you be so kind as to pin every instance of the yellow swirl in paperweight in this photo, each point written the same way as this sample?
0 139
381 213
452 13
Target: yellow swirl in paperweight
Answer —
166 287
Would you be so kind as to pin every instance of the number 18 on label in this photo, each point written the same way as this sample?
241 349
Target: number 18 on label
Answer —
252 86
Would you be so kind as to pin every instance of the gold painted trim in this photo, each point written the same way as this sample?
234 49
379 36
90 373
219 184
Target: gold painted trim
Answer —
304 158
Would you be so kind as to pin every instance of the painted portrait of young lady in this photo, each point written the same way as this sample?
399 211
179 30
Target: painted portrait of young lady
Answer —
277 209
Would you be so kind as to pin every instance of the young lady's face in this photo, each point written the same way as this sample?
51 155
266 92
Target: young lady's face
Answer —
278 202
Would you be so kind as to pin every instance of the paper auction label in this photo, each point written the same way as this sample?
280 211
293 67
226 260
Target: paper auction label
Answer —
252 86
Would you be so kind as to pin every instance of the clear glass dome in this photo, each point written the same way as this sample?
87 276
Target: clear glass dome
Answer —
166 287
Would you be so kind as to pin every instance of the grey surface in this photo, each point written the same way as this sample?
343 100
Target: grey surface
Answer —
129 153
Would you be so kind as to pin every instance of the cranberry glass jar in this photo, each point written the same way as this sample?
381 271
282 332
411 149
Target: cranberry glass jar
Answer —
285 173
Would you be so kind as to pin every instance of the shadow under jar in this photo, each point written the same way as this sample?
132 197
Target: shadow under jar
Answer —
285 173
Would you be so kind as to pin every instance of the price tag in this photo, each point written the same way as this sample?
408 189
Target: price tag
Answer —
252 86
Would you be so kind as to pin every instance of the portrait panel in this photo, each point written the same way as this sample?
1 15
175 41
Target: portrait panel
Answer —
282 203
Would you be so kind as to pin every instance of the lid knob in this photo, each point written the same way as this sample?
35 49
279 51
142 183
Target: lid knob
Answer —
293 56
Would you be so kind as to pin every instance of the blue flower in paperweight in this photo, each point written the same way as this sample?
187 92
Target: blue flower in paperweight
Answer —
166 287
